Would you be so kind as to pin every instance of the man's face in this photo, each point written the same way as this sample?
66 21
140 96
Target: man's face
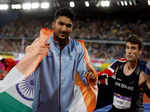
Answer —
62 27
132 51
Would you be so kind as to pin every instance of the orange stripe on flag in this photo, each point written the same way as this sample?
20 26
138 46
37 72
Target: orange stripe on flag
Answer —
89 93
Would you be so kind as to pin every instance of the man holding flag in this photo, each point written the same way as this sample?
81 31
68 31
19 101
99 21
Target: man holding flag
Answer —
62 81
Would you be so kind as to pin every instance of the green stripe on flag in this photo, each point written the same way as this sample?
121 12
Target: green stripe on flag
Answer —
10 104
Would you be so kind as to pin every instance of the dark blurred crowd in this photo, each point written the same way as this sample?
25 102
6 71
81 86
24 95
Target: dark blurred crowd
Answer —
22 30
13 46
111 29
92 29
111 51
95 50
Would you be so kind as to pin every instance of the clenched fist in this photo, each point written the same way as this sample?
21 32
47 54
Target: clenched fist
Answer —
34 53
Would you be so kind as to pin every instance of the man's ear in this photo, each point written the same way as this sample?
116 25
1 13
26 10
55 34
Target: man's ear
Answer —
140 52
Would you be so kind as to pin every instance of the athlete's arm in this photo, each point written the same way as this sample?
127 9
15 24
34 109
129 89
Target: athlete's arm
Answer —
145 78
147 85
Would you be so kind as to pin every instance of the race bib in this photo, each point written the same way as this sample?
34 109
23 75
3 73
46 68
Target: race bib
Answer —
121 102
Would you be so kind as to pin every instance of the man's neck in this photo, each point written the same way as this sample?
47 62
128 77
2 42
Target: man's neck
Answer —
129 67
132 64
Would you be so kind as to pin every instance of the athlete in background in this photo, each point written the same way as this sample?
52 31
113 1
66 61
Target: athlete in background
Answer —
131 79
8 65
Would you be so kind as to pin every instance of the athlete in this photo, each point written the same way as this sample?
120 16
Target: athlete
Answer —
59 65
131 78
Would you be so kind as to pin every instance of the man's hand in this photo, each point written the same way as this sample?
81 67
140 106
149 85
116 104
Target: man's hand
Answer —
39 46
91 77
34 53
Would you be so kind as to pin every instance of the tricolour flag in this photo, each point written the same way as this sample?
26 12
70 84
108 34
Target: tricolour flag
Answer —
18 98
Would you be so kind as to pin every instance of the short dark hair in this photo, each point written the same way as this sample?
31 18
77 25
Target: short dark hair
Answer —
135 40
64 12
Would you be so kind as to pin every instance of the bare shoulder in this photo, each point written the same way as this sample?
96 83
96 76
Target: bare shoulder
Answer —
143 77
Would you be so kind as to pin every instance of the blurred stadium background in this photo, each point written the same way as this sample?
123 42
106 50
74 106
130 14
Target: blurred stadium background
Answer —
103 24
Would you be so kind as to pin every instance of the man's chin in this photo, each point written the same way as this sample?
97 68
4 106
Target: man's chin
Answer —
62 38
131 60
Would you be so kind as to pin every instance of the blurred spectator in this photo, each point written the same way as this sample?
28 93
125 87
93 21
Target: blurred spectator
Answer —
8 65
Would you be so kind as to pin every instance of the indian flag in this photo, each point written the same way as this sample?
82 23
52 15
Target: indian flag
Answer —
18 98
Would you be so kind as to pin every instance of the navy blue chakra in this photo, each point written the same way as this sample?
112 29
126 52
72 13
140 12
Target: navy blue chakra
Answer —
26 88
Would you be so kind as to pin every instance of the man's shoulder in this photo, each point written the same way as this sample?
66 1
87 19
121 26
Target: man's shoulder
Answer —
77 43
